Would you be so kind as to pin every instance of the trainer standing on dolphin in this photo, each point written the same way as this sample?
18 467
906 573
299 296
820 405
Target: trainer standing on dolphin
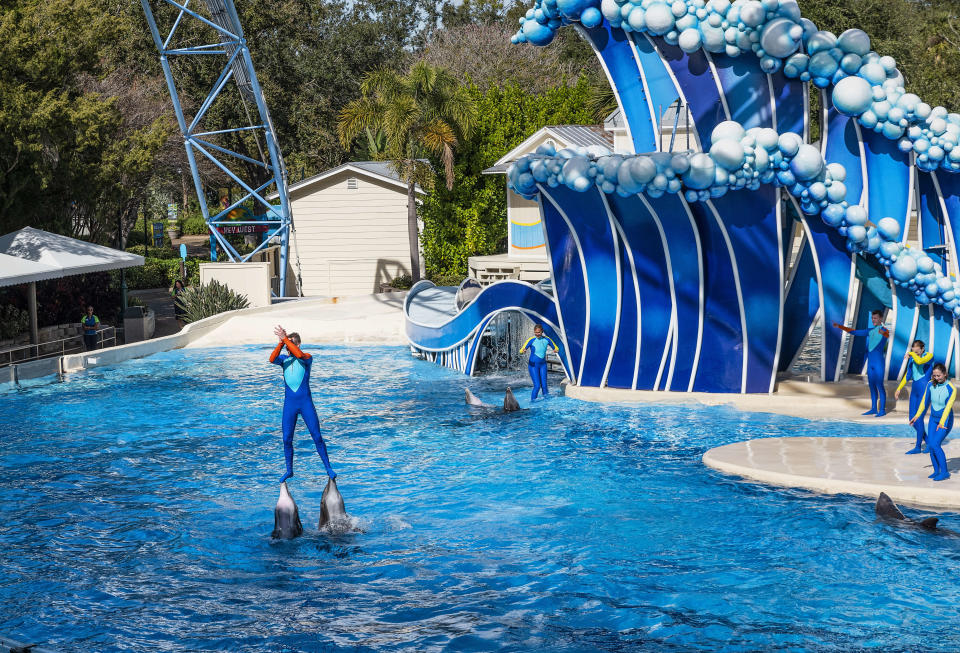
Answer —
297 400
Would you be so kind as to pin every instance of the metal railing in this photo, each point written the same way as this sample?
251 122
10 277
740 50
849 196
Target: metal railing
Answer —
61 347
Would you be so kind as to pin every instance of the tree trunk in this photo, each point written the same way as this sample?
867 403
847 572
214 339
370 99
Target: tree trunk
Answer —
413 231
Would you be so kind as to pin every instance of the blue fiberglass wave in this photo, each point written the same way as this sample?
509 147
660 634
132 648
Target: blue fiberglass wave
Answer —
138 504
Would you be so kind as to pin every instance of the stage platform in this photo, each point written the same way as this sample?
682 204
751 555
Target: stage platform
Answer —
860 466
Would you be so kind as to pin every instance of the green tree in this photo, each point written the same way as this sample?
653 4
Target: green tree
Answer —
471 219
425 112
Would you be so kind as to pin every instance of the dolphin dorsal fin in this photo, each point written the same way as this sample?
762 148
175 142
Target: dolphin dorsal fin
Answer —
930 522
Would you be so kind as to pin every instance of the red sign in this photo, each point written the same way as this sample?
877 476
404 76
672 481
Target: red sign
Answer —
243 228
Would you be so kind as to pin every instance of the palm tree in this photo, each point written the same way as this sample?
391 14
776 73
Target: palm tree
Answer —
425 112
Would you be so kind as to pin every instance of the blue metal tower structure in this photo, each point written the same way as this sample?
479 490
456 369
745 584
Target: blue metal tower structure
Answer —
238 67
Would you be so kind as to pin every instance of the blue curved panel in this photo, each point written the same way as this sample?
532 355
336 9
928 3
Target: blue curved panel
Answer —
789 96
889 193
615 50
721 353
656 302
875 295
662 92
568 282
683 248
699 86
949 187
598 244
903 329
800 307
942 327
753 224
625 351
746 90
932 220
494 298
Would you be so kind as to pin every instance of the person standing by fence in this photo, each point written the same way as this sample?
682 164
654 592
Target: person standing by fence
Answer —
90 323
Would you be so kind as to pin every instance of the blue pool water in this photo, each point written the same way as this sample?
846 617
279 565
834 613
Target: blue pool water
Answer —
137 506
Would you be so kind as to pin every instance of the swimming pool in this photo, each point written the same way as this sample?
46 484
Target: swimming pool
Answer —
137 511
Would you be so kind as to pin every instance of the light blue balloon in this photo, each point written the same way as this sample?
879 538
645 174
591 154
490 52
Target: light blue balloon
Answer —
888 228
852 96
904 269
807 163
856 215
591 17
701 173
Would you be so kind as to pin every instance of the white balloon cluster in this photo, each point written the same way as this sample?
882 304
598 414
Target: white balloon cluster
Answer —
744 159
865 85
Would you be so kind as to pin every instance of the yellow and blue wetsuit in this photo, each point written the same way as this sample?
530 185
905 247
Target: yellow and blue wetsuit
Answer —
940 399
918 370
297 401
537 364
876 359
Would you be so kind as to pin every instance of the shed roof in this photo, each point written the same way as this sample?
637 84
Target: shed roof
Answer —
565 135
380 170
43 255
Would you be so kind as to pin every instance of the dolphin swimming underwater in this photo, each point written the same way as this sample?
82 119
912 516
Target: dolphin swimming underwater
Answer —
887 509
286 517
510 402
332 511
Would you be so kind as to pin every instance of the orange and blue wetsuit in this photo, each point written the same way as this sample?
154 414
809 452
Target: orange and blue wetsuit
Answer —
918 370
298 402
537 365
940 398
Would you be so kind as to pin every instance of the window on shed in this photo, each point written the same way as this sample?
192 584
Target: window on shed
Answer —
352 183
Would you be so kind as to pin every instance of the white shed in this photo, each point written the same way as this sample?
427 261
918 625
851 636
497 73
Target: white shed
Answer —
351 229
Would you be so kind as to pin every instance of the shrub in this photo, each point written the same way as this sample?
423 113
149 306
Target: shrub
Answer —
154 252
403 282
199 302
13 321
194 225
158 273
448 279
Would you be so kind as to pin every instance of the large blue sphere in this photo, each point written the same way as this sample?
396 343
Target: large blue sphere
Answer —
852 96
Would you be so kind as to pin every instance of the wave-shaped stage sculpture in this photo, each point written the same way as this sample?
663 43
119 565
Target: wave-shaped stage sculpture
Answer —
675 271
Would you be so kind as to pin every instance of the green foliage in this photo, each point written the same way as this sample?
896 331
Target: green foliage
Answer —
13 321
403 282
451 279
158 273
154 252
194 225
471 219
199 302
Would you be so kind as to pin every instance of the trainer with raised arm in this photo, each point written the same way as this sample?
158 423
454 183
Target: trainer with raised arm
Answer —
876 357
297 400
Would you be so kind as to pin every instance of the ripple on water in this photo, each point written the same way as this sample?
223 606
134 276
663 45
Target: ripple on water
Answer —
137 506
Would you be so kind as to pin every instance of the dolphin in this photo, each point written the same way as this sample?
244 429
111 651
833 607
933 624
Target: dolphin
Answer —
286 517
474 400
510 402
887 509
332 510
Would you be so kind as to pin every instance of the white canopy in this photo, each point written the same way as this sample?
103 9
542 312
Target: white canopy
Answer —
62 256
15 270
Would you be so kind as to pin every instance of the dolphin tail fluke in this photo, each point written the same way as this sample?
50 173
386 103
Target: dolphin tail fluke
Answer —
286 516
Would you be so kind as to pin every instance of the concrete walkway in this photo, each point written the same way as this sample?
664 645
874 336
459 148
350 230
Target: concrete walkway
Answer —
859 466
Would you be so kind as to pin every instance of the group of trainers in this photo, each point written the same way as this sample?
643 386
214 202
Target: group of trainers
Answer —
930 390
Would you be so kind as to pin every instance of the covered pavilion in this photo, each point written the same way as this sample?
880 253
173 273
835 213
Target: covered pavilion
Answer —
30 255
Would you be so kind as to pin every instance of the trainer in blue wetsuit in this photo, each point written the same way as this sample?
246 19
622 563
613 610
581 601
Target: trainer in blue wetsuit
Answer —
537 365
296 399
876 359
939 396
919 368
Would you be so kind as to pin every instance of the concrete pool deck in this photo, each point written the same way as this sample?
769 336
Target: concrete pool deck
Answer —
860 466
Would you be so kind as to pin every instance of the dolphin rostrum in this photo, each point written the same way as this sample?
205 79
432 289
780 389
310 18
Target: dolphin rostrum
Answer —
887 509
286 517
474 400
510 402
332 511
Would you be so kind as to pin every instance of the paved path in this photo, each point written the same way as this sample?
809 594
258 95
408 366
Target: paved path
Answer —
860 466
161 302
